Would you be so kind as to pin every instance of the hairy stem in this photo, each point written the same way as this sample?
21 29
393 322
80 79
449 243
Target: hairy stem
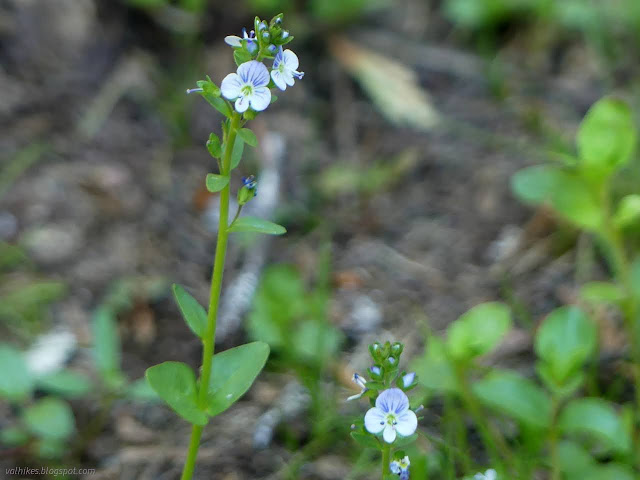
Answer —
208 342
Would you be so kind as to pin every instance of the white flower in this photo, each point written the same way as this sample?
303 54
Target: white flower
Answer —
399 466
248 87
408 379
361 382
391 415
284 69
236 42
490 474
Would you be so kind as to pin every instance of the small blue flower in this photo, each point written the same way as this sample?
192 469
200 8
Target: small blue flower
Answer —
490 474
284 35
408 379
401 467
362 383
391 416
251 183
248 87
391 360
236 42
284 69
262 26
272 48
375 370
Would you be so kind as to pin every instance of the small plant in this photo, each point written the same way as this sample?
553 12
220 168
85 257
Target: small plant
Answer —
390 423
241 96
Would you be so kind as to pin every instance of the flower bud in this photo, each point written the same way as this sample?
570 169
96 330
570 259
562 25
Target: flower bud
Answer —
248 190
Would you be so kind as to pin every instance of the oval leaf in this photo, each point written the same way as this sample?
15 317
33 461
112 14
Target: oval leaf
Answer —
602 292
66 383
194 315
597 418
366 440
628 211
175 383
16 383
565 340
50 418
106 342
215 183
516 397
232 373
533 185
479 330
248 136
214 146
258 225
434 369
238 150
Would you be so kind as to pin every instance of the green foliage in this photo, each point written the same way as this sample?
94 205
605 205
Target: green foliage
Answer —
106 347
248 137
478 331
232 373
238 150
192 312
256 225
16 383
214 146
50 419
175 383
602 292
65 383
435 370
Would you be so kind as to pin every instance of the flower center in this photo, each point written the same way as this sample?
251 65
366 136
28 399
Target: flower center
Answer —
390 420
247 90
281 68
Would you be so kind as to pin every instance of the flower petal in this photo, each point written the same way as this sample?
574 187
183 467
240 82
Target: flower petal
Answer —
260 99
230 86
290 60
374 420
233 40
288 77
407 423
279 58
242 103
408 379
389 434
255 73
392 400
278 79
395 467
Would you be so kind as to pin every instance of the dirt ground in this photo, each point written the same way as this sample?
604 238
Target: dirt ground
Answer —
117 192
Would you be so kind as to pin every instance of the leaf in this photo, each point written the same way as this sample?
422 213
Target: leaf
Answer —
215 182
214 146
175 383
193 313
316 340
404 441
534 185
240 55
628 211
434 370
232 373
13 436
602 292
106 343
574 460
16 383
219 104
50 418
597 418
610 471
140 390
238 150
515 396
565 340
479 330
66 383
606 137
258 225
366 440
248 136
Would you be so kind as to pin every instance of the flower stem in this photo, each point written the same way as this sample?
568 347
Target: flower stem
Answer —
208 341
553 441
386 459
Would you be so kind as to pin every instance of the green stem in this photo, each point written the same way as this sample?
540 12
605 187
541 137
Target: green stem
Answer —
386 459
553 441
209 339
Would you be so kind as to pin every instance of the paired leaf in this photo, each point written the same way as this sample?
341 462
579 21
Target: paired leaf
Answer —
66 383
478 331
597 418
214 146
606 137
16 383
50 418
248 136
232 373
106 342
215 182
565 340
175 383
194 315
257 225
515 396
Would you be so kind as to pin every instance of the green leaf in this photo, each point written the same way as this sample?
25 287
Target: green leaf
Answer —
106 343
232 373
248 136
66 383
515 396
534 185
366 440
635 278
606 138
218 103
50 418
16 383
215 182
240 55
434 370
175 383
214 146
194 315
565 340
628 211
602 292
574 460
258 225
13 436
141 391
316 340
404 441
597 418
238 150
610 471
479 330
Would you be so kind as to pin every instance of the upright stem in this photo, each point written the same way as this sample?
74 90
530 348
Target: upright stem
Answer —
209 339
553 442
386 459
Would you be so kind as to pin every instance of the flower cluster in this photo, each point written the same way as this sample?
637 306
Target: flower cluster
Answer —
390 416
